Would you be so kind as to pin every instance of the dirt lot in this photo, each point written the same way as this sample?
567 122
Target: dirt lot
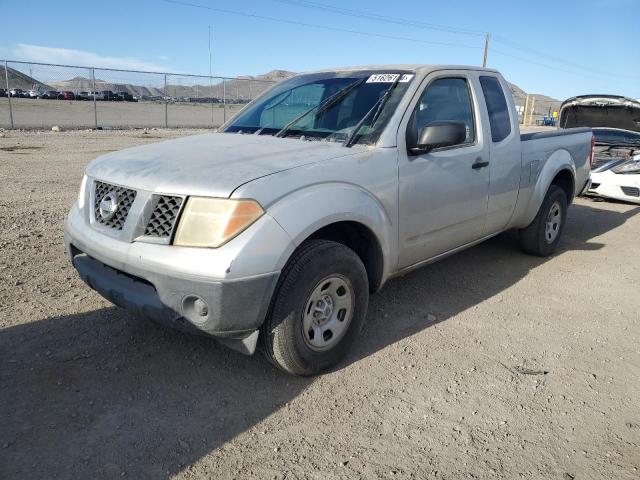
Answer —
490 364
33 113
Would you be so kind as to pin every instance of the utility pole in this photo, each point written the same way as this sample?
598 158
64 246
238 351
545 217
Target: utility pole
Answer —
532 109
486 49
210 79
6 76
525 111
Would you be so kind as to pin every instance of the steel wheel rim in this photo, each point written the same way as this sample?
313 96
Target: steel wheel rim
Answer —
327 313
554 220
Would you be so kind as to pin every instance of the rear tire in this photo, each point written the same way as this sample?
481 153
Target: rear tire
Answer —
543 234
318 308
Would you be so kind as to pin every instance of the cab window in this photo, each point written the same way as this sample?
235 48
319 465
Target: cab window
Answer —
447 99
499 119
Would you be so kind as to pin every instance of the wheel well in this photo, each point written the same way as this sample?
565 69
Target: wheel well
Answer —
564 179
361 240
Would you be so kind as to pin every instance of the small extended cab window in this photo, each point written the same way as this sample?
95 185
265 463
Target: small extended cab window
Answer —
497 108
447 99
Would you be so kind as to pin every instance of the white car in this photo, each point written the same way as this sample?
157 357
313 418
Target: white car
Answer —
619 179
615 169
98 95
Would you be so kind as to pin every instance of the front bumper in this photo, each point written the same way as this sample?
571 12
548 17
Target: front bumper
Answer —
625 187
199 290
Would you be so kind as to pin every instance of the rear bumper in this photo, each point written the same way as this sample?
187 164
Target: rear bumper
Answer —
585 187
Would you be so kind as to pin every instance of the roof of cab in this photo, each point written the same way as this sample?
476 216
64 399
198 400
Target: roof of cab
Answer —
418 68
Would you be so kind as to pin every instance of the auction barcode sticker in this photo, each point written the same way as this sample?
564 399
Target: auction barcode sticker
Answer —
389 78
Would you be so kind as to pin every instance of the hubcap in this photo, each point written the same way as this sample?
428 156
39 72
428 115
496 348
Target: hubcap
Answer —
554 219
328 312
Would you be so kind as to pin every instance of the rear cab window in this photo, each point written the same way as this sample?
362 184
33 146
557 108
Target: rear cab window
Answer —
497 108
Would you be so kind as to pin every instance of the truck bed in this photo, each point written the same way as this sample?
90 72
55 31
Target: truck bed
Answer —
552 133
539 147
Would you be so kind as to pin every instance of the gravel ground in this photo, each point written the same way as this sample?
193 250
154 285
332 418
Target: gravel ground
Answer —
489 364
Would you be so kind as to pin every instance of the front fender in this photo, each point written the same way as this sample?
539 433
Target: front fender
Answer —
541 179
305 211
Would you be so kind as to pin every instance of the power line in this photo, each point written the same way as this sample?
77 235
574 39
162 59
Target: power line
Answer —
546 65
407 22
563 61
402 21
319 26
382 18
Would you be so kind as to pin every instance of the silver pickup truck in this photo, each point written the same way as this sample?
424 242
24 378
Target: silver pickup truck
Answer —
280 225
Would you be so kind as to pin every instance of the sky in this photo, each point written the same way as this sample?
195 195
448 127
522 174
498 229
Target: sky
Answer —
556 48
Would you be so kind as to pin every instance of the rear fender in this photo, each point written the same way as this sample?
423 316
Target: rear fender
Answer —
541 181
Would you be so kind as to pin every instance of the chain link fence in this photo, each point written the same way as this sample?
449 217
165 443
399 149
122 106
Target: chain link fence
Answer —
39 95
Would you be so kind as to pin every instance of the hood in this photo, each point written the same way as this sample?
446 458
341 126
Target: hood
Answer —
210 165
601 111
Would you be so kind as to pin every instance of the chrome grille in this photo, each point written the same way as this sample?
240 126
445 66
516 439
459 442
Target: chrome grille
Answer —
164 216
125 198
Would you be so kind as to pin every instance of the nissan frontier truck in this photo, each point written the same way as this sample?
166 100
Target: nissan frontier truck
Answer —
274 231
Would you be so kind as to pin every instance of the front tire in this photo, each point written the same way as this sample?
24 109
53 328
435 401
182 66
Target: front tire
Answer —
543 234
318 309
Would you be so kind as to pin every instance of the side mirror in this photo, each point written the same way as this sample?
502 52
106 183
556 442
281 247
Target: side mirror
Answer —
437 135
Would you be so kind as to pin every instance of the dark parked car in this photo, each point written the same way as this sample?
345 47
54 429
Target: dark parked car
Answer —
49 94
3 92
126 96
66 96
17 92
109 96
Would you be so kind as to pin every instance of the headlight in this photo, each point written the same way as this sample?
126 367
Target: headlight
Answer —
211 222
81 192
632 166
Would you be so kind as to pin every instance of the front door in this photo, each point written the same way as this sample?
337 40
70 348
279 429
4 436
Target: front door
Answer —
443 193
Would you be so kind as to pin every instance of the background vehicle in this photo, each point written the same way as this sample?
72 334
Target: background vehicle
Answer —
98 95
3 92
312 197
66 95
616 127
17 92
126 96
82 95
32 94
50 94
108 95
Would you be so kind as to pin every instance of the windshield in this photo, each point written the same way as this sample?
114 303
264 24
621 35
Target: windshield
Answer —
328 106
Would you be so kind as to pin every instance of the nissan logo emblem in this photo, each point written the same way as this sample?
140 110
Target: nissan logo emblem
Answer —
108 206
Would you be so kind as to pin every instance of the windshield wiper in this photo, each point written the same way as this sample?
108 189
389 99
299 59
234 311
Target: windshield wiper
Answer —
321 107
377 108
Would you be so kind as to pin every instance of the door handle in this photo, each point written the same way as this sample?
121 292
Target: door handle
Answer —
479 164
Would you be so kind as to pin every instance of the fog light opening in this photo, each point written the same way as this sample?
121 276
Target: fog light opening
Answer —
195 309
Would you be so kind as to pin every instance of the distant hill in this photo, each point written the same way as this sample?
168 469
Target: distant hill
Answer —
240 88
83 84
543 105
17 79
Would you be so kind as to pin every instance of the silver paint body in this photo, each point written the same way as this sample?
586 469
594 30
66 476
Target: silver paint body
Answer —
420 208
